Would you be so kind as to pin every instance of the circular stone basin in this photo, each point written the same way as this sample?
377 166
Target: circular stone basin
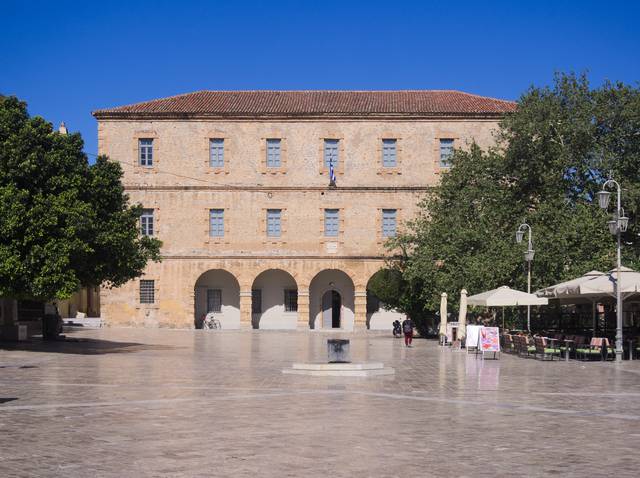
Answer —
370 369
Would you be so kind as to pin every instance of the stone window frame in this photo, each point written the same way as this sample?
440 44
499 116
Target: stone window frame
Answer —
283 225
322 169
382 170
380 238
228 152
154 229
157 217
216 240
340 237
135 145
156 294
443 134
263 168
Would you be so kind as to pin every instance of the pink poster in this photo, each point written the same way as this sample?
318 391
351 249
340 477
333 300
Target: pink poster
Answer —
490 339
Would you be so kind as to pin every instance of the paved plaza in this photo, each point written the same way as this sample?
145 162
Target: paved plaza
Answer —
164 403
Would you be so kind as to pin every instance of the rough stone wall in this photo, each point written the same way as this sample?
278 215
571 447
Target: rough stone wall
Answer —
181 187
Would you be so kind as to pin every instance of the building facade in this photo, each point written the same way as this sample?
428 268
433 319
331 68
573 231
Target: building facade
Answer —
237 187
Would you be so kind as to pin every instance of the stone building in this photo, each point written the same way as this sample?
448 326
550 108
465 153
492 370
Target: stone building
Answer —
236 185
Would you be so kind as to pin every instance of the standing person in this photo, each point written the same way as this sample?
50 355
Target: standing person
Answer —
407 328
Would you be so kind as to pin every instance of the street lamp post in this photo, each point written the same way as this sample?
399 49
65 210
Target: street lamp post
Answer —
528 256
617 225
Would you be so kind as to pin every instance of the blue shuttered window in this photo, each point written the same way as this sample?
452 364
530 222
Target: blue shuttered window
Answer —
145 152
214 300
331 222
331 153
216 153
274 228
446 151
273 153
216 222
389 222
389 153
146 222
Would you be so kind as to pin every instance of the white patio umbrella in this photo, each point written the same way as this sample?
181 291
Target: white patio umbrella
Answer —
605 285
568 288
462 315
443 314
505 297
569 291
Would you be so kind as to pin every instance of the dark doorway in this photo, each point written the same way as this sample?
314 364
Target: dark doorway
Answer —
331 309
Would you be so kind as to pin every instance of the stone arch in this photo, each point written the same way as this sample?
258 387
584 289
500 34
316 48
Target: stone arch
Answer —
331 280
217 291
379 317
274 300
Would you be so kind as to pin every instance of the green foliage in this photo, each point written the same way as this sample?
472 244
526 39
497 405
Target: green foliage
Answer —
553 154
65 224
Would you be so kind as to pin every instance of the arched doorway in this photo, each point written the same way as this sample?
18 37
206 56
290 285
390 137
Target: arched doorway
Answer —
331 300
379 315
274 300
217 291
331 309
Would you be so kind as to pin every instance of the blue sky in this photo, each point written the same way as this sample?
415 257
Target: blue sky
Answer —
68 58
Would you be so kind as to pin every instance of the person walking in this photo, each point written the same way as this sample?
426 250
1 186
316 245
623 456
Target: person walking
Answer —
407 328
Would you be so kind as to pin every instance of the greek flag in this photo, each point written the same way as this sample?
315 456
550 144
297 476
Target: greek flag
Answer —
332 175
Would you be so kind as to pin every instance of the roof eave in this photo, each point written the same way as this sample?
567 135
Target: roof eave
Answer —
119 115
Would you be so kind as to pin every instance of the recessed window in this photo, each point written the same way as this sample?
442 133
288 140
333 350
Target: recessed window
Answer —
146 222
145 152
389 153
147 291
273 153
216 222
214 300
291 300
446 152
256 301
331 222
389 222
274 226
216 153
331 148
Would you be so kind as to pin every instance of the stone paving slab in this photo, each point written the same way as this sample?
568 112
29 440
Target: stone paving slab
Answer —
170 403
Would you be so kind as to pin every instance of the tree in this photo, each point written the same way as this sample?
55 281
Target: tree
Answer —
553 154
65 224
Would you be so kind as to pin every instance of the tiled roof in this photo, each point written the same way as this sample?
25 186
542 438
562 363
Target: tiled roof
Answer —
315 104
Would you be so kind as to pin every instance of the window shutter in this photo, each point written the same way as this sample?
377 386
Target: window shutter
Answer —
446 152
331 153
273 153
216 222
388 222
273 222
389 153
216 152
331 222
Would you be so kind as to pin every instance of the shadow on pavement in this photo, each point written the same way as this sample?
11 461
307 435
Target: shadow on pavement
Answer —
80 346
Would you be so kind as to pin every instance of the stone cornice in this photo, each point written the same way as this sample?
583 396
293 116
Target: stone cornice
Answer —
273 257
352 189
